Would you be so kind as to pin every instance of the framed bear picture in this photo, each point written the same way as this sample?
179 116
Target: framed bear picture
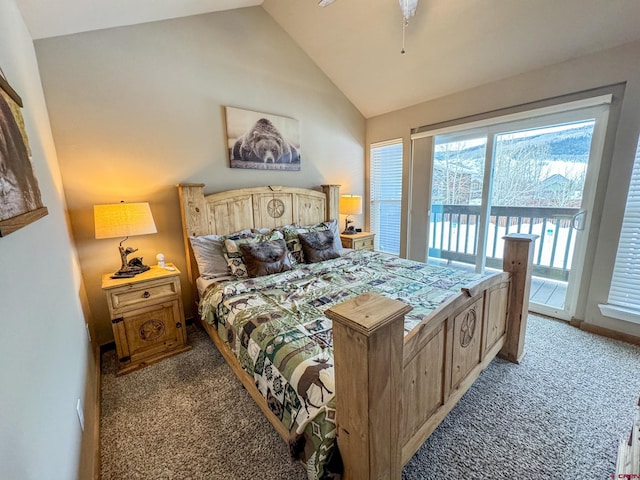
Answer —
262 141
20 198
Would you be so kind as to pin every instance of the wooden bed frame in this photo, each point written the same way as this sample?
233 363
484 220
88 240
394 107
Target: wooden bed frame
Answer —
393 390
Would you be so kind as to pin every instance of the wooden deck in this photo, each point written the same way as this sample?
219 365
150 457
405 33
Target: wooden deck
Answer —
548 292
551 293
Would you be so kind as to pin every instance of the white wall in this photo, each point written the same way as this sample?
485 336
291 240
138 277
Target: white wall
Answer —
46 358
136 110
618 65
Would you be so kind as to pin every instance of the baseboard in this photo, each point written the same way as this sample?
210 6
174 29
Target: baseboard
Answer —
604 332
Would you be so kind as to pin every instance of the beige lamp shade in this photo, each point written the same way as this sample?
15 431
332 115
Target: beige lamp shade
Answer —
123 220
350 204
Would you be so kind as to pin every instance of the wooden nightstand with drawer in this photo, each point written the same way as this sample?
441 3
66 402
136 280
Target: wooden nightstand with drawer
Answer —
147 317
358 241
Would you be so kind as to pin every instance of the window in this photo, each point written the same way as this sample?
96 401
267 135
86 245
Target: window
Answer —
625 284
386 195
530 170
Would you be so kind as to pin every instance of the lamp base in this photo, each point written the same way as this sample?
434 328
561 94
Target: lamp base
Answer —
131 268
122 275
348 229
130 271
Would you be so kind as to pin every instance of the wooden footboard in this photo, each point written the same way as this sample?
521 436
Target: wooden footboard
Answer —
394 390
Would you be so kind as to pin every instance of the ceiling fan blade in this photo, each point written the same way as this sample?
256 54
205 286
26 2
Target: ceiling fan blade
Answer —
324 3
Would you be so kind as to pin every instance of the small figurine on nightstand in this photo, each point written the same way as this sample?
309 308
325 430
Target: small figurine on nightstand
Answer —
161 264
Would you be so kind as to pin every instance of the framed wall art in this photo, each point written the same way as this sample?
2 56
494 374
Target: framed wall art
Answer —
20 199
262 141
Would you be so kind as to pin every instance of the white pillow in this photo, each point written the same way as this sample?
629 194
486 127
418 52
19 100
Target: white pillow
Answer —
207 249
333 226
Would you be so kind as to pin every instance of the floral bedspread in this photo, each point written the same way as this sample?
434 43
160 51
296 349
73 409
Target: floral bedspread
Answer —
276 327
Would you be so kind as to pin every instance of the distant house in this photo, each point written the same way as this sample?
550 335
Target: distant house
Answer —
454 187
558 190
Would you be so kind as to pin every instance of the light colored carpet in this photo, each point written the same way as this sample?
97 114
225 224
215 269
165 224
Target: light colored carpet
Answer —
558 415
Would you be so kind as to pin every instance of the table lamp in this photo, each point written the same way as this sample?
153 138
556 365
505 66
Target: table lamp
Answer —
350 205
124 220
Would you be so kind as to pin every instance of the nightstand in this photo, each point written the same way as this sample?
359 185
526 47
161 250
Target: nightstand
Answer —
358 241
147 317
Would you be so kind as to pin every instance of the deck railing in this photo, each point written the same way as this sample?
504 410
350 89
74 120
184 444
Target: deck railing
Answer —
453 235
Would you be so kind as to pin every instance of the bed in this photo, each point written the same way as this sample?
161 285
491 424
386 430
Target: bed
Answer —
385 347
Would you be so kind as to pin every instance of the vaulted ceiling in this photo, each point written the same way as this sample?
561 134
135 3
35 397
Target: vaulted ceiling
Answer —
451 45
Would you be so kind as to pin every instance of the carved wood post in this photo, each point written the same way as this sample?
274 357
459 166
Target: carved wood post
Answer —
333 201
368 338
518 260
193 211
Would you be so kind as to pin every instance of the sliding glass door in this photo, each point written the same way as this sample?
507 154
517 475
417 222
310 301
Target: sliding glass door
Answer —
534 175
456 197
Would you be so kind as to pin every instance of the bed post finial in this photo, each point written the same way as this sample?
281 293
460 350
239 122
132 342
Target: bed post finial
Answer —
518 260
368 336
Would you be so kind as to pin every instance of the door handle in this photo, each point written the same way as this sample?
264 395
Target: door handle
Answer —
576 220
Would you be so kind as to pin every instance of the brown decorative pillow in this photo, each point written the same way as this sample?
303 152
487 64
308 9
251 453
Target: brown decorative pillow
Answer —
265 258
318 246
233 254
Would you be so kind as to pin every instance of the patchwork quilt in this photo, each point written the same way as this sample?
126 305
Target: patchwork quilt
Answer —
275 325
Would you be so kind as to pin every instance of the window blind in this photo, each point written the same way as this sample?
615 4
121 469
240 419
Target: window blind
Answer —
386 195
625 284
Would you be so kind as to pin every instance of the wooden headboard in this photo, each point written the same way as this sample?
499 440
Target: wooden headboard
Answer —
262 207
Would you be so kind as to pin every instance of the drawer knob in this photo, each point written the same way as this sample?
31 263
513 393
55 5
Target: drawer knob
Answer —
146 294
